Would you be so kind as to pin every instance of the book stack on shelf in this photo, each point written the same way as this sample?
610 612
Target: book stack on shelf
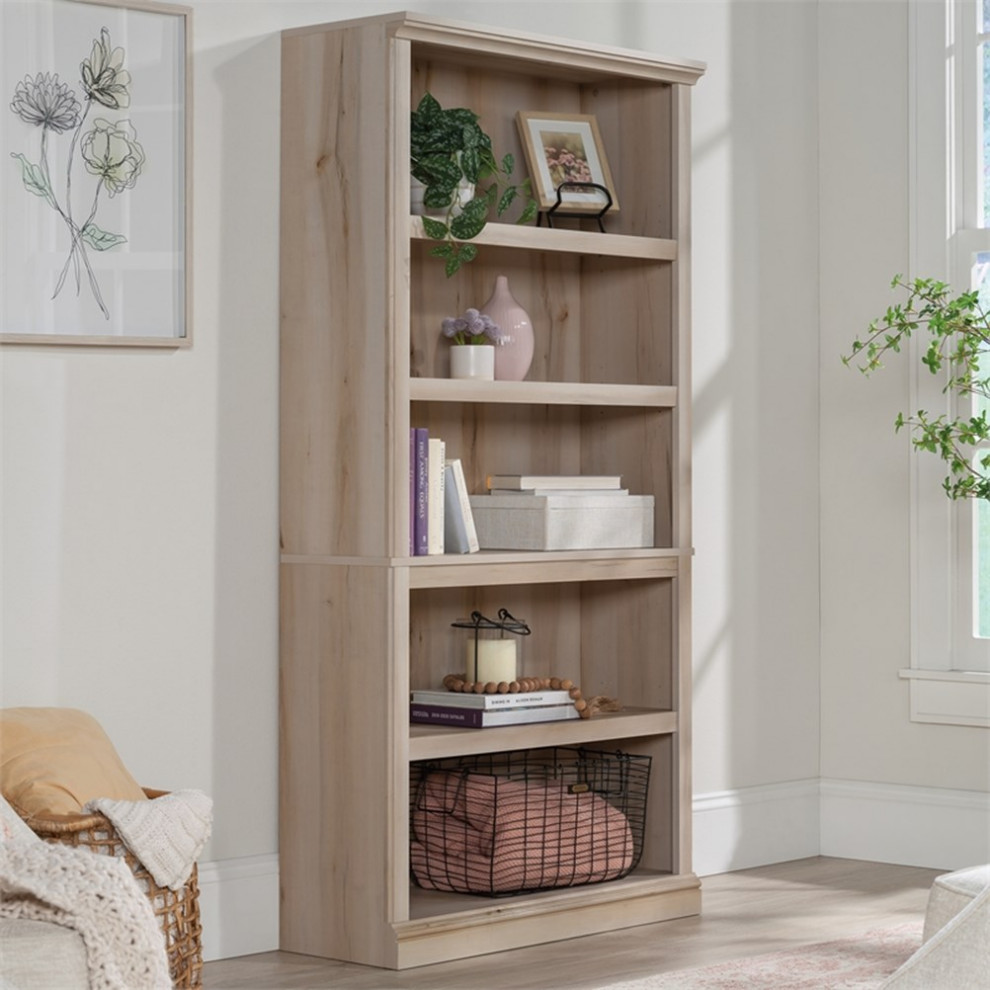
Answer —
440 517
561 512
479 711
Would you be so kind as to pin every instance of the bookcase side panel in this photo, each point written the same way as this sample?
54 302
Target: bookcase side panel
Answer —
335 342
681 310
337 819
683 786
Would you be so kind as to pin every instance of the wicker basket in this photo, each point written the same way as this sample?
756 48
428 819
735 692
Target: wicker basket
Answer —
177 911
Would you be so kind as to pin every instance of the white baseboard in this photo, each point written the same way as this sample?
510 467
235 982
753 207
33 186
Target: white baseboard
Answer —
238 904
934 827
754 826
733 830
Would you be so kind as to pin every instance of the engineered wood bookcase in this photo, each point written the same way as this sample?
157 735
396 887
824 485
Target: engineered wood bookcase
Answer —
362 360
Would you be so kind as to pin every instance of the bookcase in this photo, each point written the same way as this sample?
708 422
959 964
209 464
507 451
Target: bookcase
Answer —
362 360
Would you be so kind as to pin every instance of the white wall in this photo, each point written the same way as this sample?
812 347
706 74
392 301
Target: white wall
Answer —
866 734
139 490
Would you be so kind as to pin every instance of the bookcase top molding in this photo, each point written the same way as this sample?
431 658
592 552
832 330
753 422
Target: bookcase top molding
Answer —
493 45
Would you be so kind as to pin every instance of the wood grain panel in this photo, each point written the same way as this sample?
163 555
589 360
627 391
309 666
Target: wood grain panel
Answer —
629 328
635 122
628 636
336 826
334 344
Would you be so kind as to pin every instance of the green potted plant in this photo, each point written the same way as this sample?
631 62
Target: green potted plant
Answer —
959 347
448 148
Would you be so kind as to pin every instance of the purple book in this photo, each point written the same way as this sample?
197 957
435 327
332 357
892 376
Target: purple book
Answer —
412 492
421 535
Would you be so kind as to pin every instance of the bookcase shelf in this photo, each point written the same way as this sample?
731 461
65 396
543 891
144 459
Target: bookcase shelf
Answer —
542 393
429 743
590 242
362 361
493 567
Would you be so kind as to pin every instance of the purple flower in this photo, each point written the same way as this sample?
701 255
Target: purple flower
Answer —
472 328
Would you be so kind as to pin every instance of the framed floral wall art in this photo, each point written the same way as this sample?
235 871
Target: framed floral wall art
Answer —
566 147
94 172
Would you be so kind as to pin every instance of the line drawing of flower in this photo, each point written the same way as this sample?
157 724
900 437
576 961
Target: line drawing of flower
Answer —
112 152
46 102
109 150
103 77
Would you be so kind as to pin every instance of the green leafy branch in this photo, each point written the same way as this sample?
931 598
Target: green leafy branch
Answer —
959 349
446 147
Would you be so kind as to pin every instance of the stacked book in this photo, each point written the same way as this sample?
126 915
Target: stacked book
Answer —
479 711
561 512
440 518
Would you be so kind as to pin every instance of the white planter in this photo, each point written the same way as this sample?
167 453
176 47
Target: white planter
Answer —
472 361
465 193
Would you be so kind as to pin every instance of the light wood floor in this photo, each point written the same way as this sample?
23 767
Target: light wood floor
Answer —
745 913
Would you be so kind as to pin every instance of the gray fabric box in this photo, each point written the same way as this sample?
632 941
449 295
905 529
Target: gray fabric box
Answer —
563 522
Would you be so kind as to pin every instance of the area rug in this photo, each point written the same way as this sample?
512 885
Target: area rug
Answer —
859 963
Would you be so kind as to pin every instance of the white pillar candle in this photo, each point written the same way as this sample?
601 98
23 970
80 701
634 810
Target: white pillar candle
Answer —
496 660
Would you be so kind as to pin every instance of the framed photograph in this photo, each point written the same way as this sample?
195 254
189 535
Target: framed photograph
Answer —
95 173
565 147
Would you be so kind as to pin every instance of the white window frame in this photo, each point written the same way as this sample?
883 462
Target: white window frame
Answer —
950 677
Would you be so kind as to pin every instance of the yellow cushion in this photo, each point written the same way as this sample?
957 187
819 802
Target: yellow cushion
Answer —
54 760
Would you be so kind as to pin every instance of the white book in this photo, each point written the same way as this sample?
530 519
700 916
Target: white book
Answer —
435 496
460 534
555 481
556 492
521 699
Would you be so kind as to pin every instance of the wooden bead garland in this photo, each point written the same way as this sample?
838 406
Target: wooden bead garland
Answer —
456 682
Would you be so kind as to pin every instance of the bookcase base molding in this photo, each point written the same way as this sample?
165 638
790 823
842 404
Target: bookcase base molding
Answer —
549 917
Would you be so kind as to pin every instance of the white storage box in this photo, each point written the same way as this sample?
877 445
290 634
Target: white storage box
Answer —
563 522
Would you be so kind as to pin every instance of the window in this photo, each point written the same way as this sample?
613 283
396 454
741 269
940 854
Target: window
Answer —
949 87
974 560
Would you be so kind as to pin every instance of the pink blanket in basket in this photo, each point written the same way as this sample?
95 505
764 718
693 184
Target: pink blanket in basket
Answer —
484 834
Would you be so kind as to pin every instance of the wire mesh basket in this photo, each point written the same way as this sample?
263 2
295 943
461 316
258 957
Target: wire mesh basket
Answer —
505 823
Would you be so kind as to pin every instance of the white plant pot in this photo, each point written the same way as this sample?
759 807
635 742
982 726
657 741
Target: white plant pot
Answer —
472 361
465 193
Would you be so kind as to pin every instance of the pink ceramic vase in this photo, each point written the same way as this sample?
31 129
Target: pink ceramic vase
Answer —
515 354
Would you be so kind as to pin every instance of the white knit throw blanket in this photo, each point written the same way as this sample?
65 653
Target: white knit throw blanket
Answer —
98 897
166 834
